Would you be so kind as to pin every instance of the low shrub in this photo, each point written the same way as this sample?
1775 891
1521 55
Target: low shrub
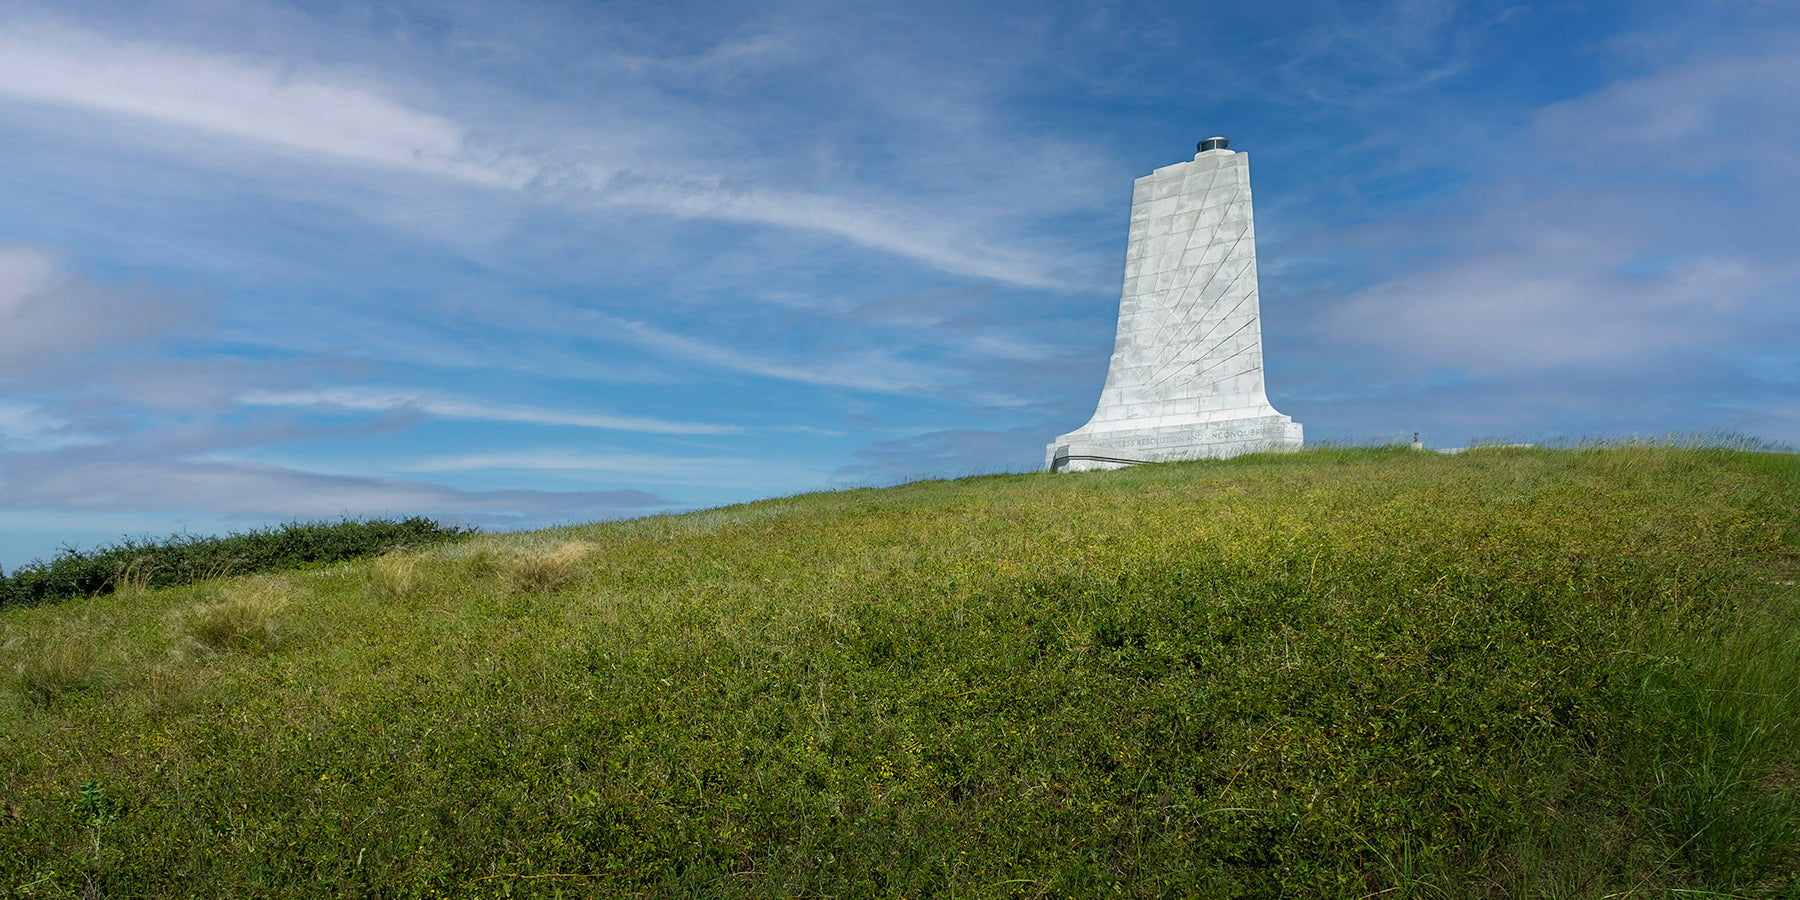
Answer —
188 559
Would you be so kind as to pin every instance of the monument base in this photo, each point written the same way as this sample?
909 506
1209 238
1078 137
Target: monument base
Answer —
1084 451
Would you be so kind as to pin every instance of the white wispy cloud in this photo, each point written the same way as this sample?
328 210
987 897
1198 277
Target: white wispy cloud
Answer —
1546 307
1699 116
732 471
1367 55
103 484
878 225
317 111
568 461
874 371
251 99
1556 269
353 399
1014 348
26 428
492 343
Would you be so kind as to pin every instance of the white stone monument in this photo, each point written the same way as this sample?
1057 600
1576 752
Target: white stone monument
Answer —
1186 380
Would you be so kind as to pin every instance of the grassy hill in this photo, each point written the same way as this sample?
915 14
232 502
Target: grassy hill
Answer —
1340 673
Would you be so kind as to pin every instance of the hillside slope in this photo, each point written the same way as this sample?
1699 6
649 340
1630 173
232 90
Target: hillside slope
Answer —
1334 673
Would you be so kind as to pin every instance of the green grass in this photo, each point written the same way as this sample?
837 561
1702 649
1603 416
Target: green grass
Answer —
1341 673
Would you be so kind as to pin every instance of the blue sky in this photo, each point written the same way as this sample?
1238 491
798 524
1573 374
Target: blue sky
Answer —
532 263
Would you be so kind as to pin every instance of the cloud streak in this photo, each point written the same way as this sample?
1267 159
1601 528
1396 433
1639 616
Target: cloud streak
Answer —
737 471
875 372
26 428
884 225
99 484
353 399
249 99
1559 301
312 110
1555 268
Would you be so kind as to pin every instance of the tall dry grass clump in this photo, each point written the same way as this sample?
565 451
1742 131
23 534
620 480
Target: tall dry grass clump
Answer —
247 619
480 562
69 660
132 576
396 576
536 568
543 570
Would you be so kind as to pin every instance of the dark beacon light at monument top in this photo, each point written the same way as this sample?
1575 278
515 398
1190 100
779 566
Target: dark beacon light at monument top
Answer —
1186 378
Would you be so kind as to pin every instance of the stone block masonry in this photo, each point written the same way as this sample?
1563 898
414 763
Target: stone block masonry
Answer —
1186 379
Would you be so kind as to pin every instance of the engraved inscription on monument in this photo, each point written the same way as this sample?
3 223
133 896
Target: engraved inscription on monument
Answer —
1186 377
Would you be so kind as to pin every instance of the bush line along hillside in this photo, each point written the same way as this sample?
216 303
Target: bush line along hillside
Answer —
186 559
1338 673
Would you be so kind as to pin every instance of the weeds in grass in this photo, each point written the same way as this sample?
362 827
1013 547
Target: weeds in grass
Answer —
95 807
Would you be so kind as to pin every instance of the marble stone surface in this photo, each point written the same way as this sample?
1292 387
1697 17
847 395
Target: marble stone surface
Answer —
1186 380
